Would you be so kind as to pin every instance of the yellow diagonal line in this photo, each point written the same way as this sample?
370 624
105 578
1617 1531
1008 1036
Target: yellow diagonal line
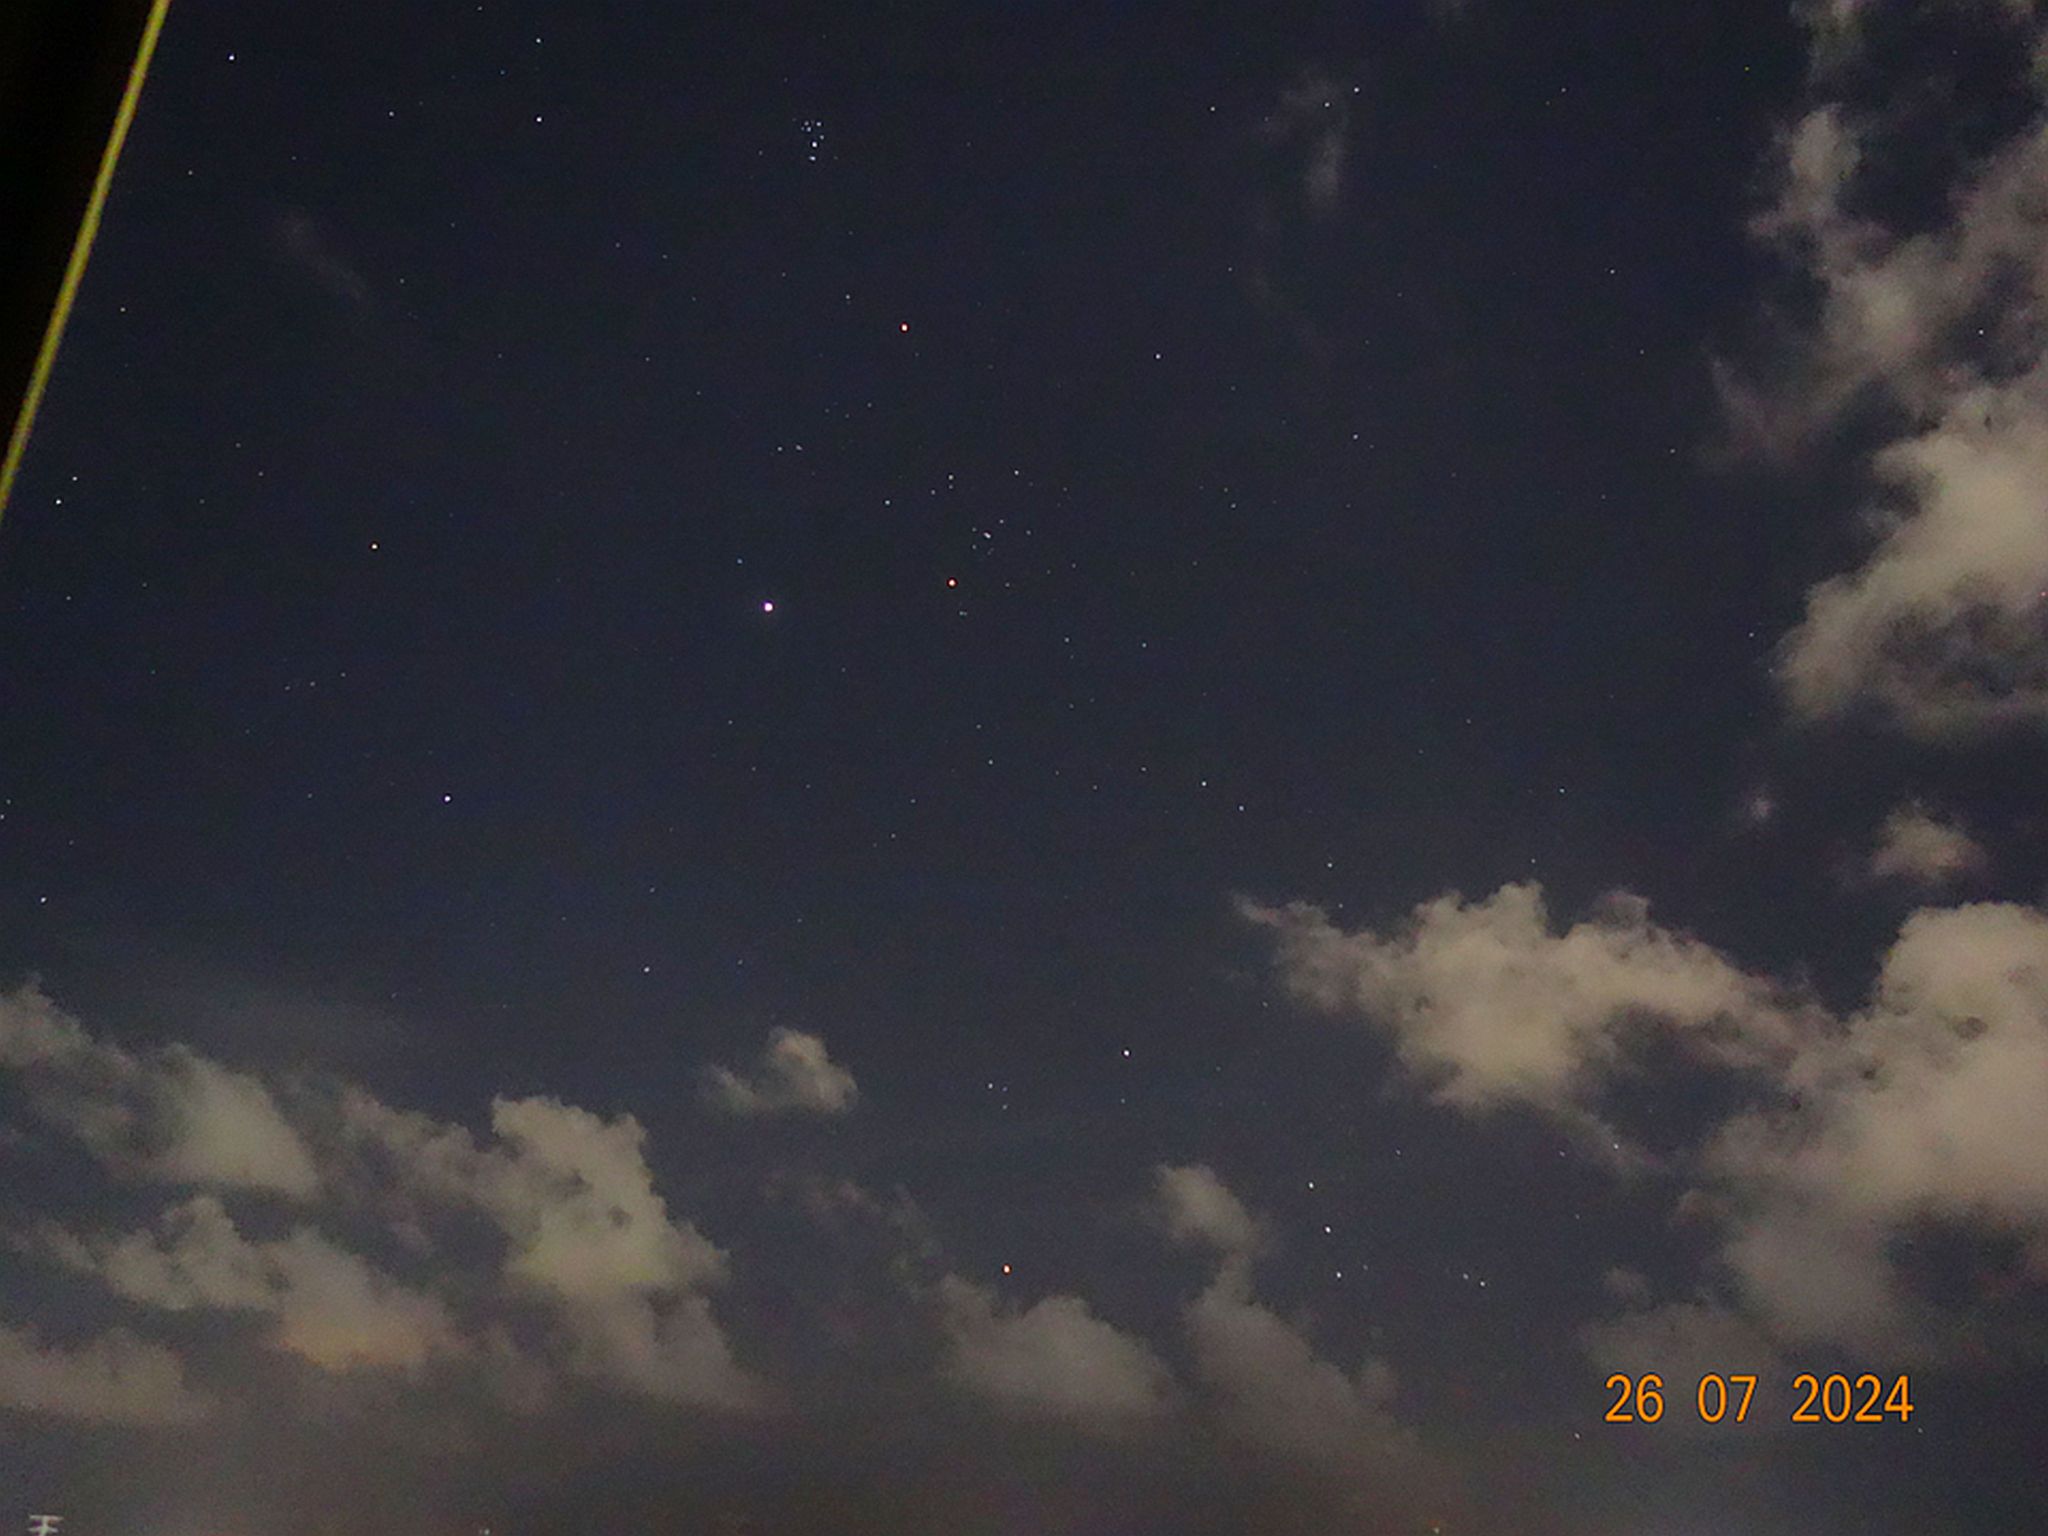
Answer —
74 270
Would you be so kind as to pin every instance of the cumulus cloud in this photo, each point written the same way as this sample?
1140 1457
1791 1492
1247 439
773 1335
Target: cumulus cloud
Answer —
1943 629
331 1308
1273 1389
586 1231
1924 1105
113 1379
1261 1379
1055 1358
1928 1103
1917 846
794 1073
584 1235
172 1115
1817 1273
1488 1006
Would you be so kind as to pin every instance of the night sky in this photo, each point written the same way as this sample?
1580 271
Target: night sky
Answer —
991 769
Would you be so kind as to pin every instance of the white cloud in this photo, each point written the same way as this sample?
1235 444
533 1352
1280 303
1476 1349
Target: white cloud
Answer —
1054 1358
575 1193
1930 1102
331 1308
1819 1274
226 1129
197 1259
1199 1209
173 1115
794 1073
1927 1104
1918 846
588 1244
114 1379
1266 1383
667 1345
340 1313
1488 1006
1944 626
587 1231
1273 1390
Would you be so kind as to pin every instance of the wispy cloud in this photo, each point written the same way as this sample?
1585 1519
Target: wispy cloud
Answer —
1312 120
307 245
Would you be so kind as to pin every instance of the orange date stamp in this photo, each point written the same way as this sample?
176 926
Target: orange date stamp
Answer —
1832 1399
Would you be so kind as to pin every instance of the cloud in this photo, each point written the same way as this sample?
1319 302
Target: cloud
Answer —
114 1379
1924 1105
1943 628
794 1073
586 1232
330 1307
1929 1102
1819 1274
1274 1391
1313 117
1917 846
1264 1386
1682 1341
1836 25
1199 1209
172 1116
1631 1286
1055 1358
1487 1005
308 247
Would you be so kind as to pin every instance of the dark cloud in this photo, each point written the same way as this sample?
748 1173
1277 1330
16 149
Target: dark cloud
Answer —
308 246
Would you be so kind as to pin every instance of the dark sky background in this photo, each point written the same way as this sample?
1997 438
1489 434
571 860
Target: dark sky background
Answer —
912 600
